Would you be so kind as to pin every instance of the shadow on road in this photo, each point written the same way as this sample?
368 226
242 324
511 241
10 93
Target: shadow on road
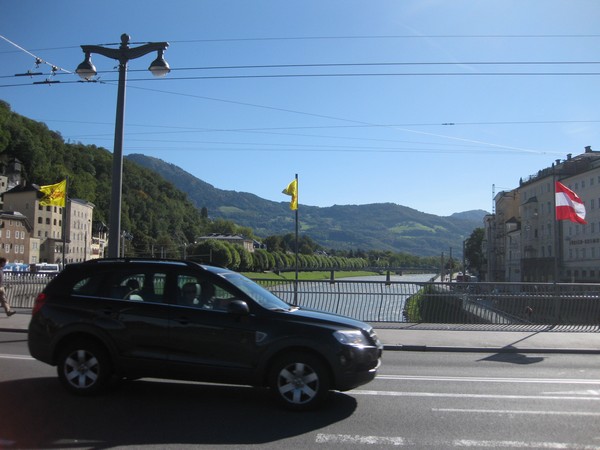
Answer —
513 357
39 414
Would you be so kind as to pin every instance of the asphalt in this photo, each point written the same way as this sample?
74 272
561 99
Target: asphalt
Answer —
448 337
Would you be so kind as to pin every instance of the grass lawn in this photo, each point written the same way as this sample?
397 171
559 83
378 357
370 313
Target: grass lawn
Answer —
306 275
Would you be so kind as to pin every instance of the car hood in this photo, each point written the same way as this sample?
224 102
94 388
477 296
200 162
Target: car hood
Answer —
334 320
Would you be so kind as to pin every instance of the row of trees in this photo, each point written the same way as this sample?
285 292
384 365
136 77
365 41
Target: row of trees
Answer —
278 253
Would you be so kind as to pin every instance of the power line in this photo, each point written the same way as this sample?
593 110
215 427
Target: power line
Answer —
343 75
38 60
373 64
367 37
405 36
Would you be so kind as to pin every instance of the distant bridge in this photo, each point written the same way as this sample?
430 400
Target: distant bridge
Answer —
382 270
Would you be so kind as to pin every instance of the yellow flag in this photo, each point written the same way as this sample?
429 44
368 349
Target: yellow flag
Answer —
292 189
54 194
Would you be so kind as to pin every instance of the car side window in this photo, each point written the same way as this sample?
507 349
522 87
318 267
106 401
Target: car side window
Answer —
197 292
148 286
90 285
194 291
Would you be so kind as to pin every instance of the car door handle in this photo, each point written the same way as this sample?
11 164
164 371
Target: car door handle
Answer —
183 320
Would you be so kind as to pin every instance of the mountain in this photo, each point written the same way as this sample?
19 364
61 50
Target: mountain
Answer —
378 226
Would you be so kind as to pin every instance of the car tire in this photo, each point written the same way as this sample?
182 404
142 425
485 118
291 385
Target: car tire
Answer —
299 381
84 367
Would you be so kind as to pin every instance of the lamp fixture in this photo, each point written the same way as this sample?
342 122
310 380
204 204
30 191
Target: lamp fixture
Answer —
86 69
159 66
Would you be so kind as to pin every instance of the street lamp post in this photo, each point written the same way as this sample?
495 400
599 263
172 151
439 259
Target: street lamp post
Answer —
86 70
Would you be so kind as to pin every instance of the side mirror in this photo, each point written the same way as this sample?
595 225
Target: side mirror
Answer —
239 307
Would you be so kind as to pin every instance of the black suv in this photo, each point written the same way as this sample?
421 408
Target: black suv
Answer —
132 318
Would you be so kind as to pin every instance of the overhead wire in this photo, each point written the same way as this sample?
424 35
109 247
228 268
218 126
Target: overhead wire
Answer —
56 68
38 60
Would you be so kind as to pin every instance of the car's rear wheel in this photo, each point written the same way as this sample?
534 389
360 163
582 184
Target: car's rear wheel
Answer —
299 381
84 367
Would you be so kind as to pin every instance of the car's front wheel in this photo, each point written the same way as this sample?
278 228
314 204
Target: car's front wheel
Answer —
83 367
299 381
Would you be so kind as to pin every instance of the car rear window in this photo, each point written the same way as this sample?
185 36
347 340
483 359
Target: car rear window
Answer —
122 285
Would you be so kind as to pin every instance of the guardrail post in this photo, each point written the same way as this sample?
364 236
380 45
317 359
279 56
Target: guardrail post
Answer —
332 277
388 281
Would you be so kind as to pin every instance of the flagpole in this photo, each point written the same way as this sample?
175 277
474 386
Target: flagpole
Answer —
557 235
64 220
557 253
296 245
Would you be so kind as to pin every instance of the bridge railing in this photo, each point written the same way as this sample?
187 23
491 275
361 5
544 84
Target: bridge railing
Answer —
23 287
435 302
413 302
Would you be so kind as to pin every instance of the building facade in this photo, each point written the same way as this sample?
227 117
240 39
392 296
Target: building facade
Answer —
63 235
247 244
524 241
16 243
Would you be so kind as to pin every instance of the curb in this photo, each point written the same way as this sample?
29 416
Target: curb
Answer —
509 349
13 330
449 349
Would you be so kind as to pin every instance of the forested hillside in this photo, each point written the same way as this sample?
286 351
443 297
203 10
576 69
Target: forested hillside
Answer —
153 210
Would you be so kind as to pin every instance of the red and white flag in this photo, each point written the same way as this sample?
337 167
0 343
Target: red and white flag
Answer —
568 205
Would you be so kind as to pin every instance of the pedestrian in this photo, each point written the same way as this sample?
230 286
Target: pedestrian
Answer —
3 301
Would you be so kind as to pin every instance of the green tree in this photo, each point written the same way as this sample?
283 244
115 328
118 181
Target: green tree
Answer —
474 250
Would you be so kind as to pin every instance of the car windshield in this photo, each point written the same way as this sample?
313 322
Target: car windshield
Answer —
260 295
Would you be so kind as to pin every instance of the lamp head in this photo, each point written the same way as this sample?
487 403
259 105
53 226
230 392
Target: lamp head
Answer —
159 66
86 69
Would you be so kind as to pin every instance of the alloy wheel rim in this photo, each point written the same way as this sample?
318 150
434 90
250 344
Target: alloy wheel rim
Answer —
81 369
298 383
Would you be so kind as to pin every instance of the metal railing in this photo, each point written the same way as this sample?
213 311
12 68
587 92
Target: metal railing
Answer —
22 287
434 302
411 302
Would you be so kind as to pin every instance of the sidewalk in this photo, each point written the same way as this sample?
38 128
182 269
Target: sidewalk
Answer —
449 337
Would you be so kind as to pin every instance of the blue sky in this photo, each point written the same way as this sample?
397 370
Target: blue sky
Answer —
427 104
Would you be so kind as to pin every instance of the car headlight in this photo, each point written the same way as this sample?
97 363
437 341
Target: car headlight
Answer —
351 337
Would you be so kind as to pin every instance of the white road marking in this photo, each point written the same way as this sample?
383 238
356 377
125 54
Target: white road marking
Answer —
4 356
323 438
519 444
487 379
355 439
516 411
586 392
463 395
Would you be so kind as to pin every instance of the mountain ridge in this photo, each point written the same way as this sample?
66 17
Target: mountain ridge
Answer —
375 226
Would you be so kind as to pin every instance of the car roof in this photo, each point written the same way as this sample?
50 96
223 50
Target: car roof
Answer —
149 261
